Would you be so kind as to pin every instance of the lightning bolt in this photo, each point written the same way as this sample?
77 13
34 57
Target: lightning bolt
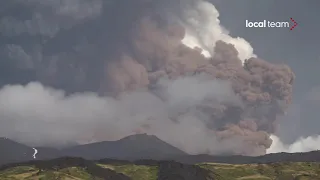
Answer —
35 152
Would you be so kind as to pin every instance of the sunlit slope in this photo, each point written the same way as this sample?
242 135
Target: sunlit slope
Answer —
29 172
134 172
272 171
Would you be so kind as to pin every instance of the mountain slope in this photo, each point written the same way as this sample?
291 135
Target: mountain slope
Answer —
134 147
11 151
48 153
140 146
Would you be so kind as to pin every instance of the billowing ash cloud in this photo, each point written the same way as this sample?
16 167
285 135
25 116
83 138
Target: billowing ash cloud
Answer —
203 29
40 115
166 68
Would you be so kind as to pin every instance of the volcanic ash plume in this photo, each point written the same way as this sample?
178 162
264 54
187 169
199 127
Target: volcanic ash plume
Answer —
169 71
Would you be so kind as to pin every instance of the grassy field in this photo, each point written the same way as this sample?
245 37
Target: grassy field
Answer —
31 173
276 171
136 172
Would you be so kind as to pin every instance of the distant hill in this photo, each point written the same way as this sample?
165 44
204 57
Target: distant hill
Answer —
134 147
313 156
48 153
140 147
11 151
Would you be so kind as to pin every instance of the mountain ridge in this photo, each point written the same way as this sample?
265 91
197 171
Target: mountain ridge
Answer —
133 147
141 148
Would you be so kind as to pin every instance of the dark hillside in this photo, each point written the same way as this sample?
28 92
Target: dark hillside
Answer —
11 151
135 147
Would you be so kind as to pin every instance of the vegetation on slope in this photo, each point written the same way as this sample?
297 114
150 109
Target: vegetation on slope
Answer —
79 169
61 168
272 171
32 173
136 172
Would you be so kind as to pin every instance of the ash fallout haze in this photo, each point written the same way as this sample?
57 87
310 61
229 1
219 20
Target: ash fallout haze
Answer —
86 71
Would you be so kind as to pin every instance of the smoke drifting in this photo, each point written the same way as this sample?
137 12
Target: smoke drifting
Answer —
37 115
293 126
165 69
309 143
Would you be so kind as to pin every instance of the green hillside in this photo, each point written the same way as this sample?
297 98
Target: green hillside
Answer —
32 173
275 171
136 172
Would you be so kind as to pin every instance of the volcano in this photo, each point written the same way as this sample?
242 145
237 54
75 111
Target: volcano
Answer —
134 147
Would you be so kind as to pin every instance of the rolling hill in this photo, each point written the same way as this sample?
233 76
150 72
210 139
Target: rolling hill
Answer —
138 147
80 169
144 157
